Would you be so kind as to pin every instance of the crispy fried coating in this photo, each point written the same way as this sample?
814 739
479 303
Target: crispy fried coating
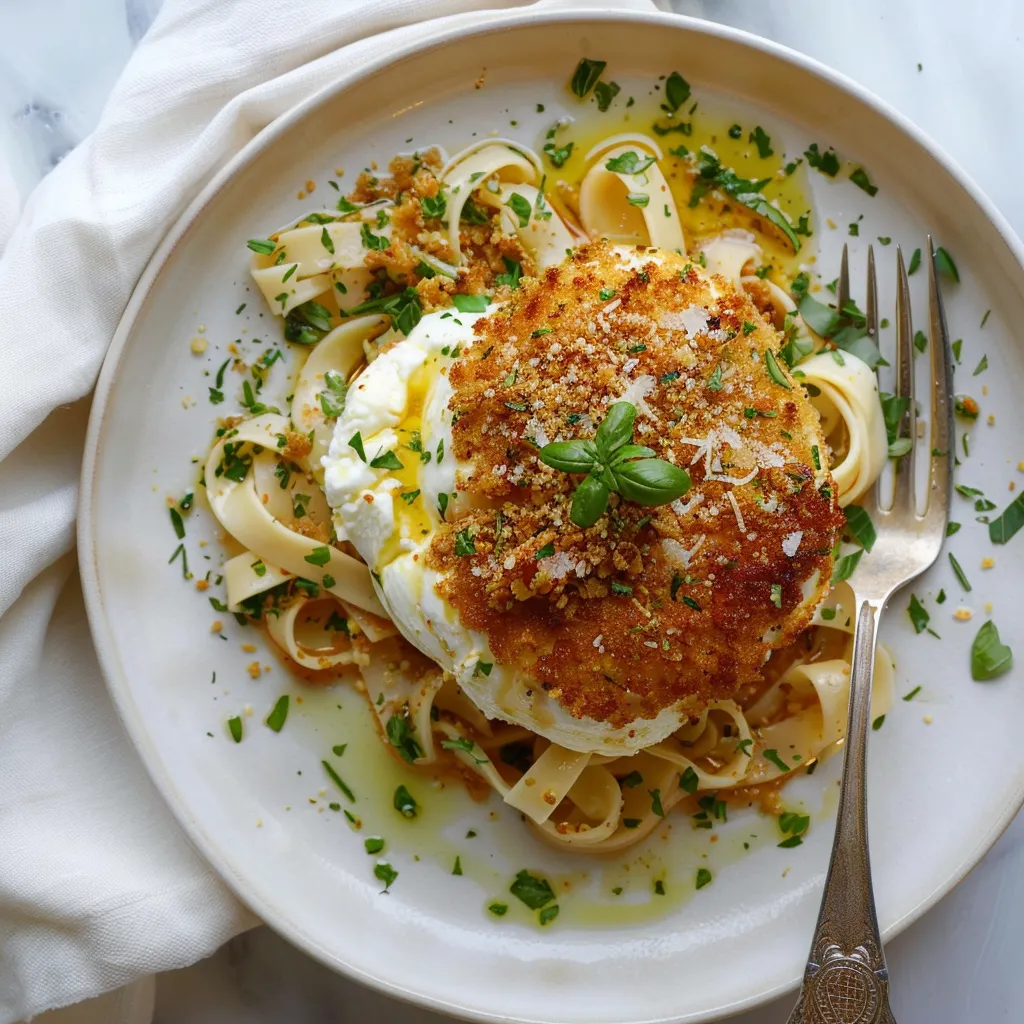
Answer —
649 607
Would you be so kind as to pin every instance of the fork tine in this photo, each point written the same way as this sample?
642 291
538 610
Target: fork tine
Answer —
871 318
904 494
943 437
843 285
871 306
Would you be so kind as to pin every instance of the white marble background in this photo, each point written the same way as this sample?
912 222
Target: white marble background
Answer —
961 962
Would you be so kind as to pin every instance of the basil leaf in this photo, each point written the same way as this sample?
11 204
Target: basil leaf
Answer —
845 565
819 318
585 76
632 451
860 526
1004 526
989 656
589 502
616 428
651 481
569 456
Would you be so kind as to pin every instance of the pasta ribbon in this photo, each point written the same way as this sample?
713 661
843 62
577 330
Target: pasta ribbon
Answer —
632 207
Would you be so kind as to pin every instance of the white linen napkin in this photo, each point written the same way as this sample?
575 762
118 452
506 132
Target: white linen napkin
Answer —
98 885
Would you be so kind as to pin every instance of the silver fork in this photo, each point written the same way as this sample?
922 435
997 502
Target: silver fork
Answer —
846 980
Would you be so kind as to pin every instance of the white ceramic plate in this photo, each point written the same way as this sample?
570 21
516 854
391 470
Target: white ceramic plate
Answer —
940 792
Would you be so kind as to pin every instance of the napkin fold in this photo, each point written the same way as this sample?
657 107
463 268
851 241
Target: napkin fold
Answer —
98 885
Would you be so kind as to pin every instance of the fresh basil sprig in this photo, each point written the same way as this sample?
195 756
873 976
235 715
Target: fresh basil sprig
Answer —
612 462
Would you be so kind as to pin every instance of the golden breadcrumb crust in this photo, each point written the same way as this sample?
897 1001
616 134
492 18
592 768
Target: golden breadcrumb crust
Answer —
650 606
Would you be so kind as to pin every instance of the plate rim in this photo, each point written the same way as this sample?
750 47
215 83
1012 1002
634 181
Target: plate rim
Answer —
117 683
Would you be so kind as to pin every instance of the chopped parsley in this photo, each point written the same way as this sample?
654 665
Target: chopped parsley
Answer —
918 614
945 266
319 556
400 735
960 574
604 93
761 139
827 162
386 873
404 803
860 178
586 76
535 892
338 781
276 719
386 460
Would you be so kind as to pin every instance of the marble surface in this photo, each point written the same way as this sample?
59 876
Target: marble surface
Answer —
962 80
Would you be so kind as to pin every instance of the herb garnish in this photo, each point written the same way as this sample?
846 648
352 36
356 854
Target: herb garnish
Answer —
386 873
773 756
860 178
703 878
794 826
276 718
470 303
714 176
612 463
1008 522
404 803
989 656
604 93
860 526
763 142
338 781
585 76
918 614
945 266
960 574
235 728
400 734
827 162
533 891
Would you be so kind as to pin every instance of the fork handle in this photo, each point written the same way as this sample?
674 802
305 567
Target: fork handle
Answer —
846 980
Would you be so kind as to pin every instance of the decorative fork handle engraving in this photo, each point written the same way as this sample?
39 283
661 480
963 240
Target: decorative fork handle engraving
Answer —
846 980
